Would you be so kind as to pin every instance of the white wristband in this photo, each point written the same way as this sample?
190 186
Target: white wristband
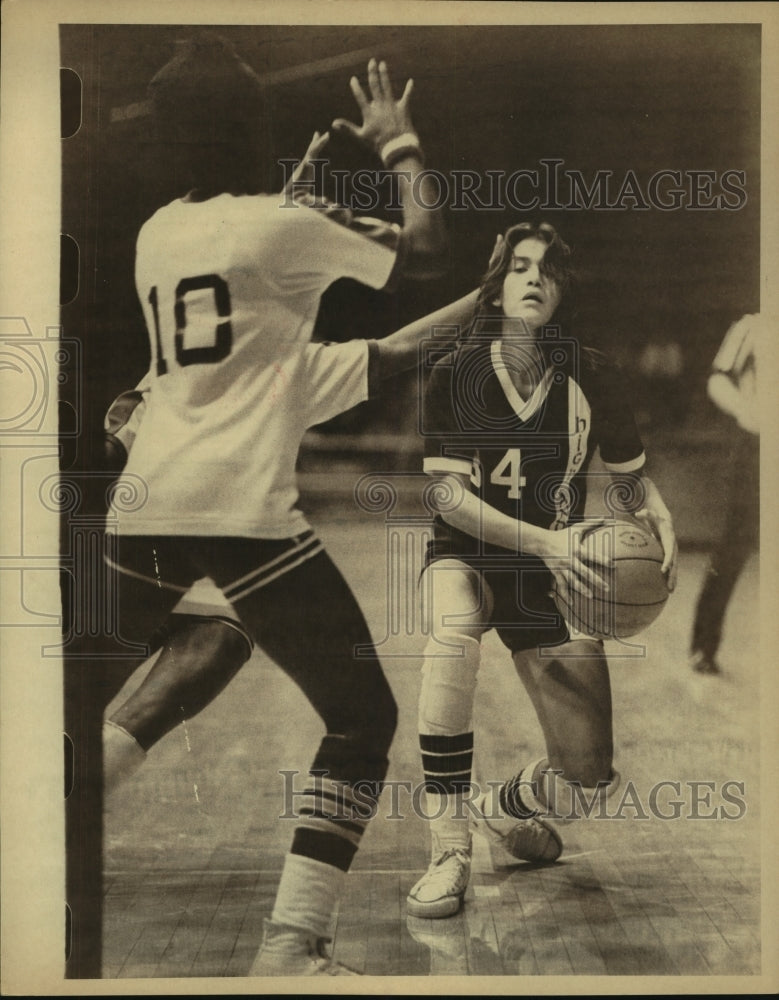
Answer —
406 140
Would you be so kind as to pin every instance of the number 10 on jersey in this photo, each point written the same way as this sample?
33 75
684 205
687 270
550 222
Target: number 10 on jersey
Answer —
223 330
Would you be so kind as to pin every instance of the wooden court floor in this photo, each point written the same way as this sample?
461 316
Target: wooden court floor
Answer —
194 845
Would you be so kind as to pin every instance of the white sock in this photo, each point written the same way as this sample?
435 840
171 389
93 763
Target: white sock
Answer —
308 895
448 820
122 756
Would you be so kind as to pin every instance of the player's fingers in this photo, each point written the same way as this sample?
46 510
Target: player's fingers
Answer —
590 577
672 576
496 250
577 583
562 588
589 551
359 94
386 83
374 83
403 102
673 567
312 143
344 127
318 143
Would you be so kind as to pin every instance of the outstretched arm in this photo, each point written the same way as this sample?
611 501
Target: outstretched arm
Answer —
400 350
387 128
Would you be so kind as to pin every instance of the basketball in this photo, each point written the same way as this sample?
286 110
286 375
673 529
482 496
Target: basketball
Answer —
637 587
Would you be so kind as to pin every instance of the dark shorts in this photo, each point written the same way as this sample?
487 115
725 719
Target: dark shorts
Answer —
523 613
292 599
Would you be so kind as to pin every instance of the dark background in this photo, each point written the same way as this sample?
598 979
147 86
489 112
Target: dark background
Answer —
644 98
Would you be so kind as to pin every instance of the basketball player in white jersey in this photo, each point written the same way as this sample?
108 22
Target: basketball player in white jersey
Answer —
204 644
230 282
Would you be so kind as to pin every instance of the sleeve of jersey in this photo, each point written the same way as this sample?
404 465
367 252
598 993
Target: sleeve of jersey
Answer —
446 450
614 424
338 377
353 246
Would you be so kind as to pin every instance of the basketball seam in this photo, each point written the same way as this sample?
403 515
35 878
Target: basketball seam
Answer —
606 600
625 604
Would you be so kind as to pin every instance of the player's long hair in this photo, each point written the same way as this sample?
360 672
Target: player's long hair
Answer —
209 113
556 265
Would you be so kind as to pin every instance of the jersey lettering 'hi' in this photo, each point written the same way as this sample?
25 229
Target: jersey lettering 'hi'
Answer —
579 423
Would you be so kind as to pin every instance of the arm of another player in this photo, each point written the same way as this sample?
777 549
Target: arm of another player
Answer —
731 386
387 128
400 350
303 174
728 397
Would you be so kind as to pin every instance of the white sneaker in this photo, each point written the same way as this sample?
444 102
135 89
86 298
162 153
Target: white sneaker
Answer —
303 956
440 891
532 839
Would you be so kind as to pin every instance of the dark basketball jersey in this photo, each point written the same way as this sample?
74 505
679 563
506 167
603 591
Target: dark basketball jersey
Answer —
525 457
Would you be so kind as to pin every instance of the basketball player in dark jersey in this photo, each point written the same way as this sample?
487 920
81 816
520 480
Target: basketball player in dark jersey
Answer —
512 419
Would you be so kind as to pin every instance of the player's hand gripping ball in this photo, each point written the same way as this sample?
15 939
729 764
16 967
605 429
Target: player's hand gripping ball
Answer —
637 591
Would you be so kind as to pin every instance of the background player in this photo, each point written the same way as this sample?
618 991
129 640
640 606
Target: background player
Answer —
732 386
230 282
513 419
204 644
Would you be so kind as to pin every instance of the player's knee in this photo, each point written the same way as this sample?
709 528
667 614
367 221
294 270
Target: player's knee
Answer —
216 648
369 715
449 686
199 658
359 752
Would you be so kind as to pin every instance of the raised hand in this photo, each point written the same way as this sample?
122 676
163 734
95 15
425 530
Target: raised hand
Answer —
383 118
304 171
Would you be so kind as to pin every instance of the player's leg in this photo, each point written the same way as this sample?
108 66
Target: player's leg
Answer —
737 540
568 684
199 656
459 613
151 576
302 613
144 598
570 690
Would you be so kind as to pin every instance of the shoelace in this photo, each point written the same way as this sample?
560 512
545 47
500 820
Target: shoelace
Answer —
437 870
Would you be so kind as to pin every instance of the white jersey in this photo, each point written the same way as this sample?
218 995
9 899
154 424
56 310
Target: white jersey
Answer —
339 376
231 288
